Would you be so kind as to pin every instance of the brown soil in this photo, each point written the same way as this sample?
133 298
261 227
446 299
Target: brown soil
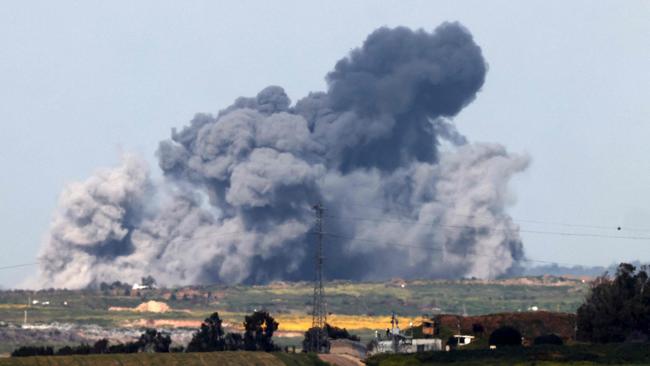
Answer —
530 324
340 360
145 307
156 323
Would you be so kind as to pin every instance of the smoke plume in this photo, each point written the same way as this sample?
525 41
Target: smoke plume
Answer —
405 193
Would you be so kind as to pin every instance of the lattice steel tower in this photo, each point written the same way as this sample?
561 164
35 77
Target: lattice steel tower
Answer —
319 313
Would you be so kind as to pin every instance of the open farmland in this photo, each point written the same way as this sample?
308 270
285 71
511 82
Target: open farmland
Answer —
360 307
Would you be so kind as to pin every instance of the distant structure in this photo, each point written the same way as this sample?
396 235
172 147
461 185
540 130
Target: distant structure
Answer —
319 314
459 340
137 286
396 342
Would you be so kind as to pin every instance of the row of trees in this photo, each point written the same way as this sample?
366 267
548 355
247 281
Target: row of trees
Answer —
258 336
150 341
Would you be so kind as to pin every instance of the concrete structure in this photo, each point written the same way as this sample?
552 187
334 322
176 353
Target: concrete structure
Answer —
409 345
463 340
137 286
395 342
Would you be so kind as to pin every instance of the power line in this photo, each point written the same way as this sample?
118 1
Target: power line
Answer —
516 220
19 265
434 248
433 224
542 232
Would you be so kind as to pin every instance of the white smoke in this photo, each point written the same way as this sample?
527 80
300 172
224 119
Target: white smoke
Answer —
235 202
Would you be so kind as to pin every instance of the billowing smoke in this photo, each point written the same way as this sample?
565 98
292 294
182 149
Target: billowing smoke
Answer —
405 193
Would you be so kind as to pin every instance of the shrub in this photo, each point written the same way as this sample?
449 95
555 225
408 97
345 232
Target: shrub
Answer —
26 351
452 342
65 351
339 333
505 336
548 339
234 342
309 342
154 341
131 347
101 346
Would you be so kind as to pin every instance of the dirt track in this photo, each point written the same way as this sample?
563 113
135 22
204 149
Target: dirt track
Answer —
341 360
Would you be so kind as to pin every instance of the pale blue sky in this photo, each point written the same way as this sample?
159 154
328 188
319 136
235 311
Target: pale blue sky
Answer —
568 84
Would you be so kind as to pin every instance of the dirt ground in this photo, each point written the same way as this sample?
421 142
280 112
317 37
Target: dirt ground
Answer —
341 360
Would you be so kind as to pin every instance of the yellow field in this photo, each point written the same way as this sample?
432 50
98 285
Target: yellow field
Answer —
288 322
293 323
12 306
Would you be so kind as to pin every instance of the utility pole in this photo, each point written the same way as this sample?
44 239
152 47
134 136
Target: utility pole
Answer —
319 315
394 332
29 305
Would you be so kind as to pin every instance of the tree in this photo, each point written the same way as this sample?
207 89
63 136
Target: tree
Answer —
234 342
452 342
131 347
104 287
616 308
210 336
548 339
26 351
82 349
259 328
101 346
333 332
65 351
505 336
149 281
154 341
309 344
330 332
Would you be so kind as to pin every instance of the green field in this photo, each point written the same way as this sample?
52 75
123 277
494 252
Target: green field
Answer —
344 298
180 359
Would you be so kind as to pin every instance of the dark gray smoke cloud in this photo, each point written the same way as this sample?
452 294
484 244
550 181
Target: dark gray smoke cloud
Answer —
406 194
